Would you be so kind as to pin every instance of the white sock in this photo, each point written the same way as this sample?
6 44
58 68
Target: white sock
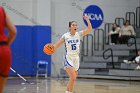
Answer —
67 92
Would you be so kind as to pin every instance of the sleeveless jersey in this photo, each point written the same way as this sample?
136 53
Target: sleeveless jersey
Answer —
2 25
72 42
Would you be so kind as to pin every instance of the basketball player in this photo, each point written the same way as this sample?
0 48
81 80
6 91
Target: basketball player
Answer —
72 44
5 42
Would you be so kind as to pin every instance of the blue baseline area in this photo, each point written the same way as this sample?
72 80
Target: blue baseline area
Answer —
27 49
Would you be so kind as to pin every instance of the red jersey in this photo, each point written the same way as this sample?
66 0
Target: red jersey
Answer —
5 51
2 25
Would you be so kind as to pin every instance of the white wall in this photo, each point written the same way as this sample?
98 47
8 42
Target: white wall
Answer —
62 12
43 12
28 12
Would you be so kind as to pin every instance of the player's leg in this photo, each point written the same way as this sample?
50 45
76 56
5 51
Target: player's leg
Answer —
2 83
73 73
72 77
5 63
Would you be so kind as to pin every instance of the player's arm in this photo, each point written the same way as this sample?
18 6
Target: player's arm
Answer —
58 44
89 27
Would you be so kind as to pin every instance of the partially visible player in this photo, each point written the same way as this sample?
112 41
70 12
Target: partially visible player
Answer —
135 60
72 46
5 51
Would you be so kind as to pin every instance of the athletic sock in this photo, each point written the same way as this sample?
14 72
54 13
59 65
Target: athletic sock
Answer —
67 92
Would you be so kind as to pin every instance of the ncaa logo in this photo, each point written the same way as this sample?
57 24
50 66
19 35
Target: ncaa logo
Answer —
95 15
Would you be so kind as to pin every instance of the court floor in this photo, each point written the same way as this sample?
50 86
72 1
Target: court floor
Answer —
17 85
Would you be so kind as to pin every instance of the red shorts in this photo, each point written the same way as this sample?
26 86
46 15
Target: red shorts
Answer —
5 60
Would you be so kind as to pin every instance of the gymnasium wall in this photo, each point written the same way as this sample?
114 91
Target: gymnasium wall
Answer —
63 11
42 21
28 12
32 20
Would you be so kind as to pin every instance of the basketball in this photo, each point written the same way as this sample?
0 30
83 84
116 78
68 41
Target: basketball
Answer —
48 49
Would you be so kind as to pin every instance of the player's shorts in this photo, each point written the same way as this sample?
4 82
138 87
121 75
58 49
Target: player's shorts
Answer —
72 61
5 60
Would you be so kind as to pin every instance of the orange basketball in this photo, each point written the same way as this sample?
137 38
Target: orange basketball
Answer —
48 49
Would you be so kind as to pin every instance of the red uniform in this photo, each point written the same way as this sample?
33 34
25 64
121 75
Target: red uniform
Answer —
5 51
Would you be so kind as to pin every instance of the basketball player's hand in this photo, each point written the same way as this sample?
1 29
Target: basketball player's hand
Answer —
86 18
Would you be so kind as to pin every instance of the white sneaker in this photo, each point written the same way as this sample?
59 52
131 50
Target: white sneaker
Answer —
138 67
126 61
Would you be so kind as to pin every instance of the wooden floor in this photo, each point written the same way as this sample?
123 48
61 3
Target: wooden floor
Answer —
17 85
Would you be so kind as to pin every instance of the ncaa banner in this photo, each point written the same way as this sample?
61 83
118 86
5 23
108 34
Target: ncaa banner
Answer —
95 15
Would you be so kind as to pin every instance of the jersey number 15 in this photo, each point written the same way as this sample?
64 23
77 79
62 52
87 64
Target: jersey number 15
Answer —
73 46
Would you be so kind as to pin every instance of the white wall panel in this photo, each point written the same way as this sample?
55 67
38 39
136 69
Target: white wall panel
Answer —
28 12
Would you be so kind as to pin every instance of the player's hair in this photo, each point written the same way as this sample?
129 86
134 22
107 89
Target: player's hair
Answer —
71 23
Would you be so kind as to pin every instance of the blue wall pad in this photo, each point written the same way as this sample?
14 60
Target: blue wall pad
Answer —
27 49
